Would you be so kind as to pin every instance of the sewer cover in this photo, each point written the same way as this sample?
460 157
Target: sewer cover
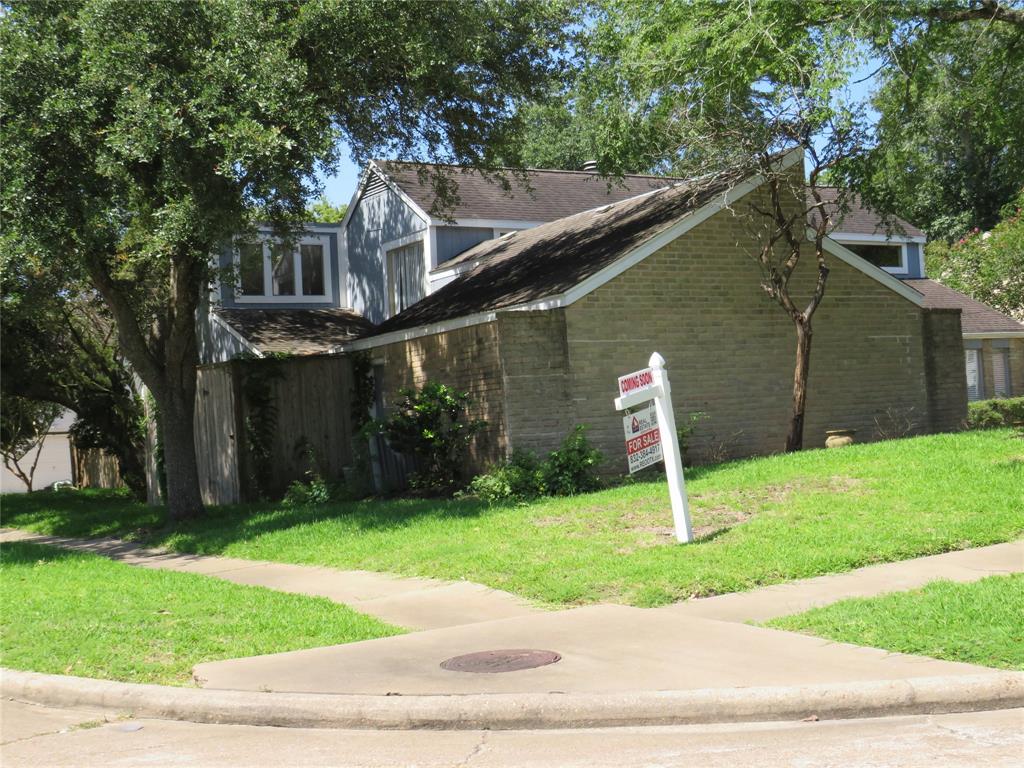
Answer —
511 660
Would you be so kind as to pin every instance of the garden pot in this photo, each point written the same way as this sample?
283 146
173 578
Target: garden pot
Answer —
837 438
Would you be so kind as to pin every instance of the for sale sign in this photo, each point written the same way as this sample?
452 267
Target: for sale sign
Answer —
643 438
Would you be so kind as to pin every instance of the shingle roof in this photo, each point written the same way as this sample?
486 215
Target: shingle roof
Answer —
549 259
545 196
296 331
975 317
861 220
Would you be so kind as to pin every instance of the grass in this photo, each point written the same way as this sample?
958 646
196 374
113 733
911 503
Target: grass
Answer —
81 614
977 623
761 521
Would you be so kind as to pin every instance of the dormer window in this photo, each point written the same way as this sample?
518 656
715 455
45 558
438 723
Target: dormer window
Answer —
270 271
884 255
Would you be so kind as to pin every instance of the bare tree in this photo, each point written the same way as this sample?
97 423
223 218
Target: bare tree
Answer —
24 425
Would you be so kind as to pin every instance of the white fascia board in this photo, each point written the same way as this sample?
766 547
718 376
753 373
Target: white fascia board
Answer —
415 333
217 319
401 193
895 239
995 335
869 269
356 197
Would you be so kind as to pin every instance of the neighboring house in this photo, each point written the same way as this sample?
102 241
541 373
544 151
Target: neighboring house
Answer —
55 461
993 342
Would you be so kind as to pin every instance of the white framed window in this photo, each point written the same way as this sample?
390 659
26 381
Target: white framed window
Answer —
892 257
1001 373
975 377
268 271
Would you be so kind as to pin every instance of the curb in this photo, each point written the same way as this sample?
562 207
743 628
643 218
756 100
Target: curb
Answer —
931 695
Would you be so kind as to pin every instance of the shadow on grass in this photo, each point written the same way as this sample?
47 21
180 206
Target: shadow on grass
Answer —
27 553
91 514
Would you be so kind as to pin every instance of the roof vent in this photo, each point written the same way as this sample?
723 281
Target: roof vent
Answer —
590 165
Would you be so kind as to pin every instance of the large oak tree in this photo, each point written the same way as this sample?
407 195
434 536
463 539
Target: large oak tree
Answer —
138 137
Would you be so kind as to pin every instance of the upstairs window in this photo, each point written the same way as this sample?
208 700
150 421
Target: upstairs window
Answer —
272 272
405 276
885 255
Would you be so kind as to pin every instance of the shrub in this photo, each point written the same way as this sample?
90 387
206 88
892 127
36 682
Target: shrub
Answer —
572 468
314 491
431 425
519 479
990 414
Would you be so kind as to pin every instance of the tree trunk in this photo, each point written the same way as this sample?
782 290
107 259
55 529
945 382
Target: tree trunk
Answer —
795 438
177 438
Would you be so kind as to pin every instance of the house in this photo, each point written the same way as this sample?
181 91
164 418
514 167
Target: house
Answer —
993 342
535 299
52 459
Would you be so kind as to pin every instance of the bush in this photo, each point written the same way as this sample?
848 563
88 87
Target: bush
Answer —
431 425
519 479
991 414
312 492
572 468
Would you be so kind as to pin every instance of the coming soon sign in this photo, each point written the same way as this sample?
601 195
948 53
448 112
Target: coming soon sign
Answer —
648 395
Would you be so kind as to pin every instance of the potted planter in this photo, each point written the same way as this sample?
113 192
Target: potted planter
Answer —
837 438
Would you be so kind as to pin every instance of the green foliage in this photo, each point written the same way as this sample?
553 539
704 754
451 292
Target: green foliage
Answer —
259 395
324 212
951 107
992 414
987 266
431 424
311 492
685 432
572 469
518 479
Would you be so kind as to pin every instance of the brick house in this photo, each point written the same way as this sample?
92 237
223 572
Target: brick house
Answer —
535 299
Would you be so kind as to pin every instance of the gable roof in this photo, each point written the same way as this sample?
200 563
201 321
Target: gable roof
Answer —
975 317
295 331
547 260
545 195
861 220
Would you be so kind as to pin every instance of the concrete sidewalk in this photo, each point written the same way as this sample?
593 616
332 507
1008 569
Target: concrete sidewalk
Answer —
406 602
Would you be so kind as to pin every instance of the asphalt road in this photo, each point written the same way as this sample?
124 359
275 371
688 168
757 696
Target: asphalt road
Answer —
39 737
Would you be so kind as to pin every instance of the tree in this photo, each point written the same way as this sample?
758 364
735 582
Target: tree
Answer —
325 212
23 427
949 149
57 345
714 90
988 266
138 137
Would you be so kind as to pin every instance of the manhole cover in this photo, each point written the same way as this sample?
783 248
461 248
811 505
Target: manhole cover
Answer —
500 661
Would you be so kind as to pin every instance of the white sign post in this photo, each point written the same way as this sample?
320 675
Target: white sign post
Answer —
657 438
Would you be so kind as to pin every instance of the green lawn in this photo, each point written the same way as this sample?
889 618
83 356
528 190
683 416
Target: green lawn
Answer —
80 614
761 521
978 623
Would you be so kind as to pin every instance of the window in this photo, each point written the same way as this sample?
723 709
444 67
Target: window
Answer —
312 269
884 255
270 272
250 268
975 380
405 276
1000 372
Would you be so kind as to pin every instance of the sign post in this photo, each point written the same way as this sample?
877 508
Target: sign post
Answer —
651 436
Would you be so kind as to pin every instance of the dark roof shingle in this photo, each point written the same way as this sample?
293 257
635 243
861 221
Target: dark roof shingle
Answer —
861 220
296 331
975 317
549 259
545 196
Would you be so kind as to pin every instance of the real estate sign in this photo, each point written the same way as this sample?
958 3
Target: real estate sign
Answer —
649 393
643 438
